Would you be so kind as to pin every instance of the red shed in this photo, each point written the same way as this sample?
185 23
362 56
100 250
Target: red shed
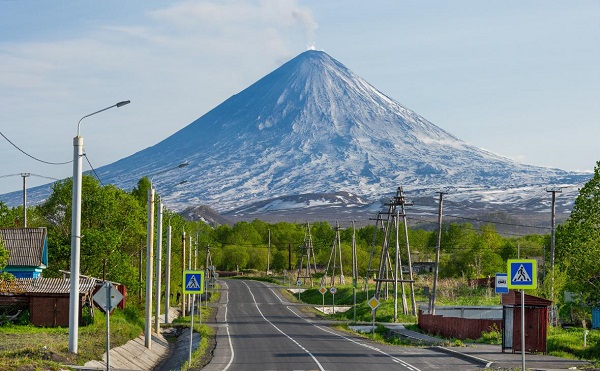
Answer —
536 322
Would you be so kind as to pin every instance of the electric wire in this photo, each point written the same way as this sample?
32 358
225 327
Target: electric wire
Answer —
35 158
93 170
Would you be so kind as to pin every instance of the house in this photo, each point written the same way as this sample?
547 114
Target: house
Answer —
47 299
28 251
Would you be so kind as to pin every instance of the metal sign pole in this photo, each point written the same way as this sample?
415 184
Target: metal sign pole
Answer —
523 329
107 309
191 331
333 290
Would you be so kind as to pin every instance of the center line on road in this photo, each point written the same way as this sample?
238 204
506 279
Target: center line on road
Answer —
283 333
395 359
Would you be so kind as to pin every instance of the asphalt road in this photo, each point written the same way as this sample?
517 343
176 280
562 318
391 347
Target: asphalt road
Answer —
260 330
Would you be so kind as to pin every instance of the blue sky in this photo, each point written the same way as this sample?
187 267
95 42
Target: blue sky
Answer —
518 78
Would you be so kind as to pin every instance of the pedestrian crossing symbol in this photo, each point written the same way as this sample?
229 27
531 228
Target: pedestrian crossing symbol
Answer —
193 282
522 273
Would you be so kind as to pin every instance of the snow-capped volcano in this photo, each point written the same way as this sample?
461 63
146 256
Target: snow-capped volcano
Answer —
312 126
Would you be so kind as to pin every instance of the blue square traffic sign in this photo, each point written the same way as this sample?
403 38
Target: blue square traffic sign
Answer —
522 273
501 283
193 282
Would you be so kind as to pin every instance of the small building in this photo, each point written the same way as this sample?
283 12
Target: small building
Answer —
536 322
47 299
28 251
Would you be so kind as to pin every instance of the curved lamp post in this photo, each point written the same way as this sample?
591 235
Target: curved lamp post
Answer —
76 232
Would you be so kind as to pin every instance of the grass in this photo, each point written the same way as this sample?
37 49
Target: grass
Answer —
207 334
569 343
25 347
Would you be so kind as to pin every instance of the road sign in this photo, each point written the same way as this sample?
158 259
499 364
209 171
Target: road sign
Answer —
299 283
333 290
322 290
501 283
108 297
373 303
522 273
193 282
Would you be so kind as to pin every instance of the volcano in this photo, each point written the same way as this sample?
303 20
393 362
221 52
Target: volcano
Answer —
311 134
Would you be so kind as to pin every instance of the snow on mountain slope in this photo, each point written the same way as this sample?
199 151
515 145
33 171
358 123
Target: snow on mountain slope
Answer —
312 127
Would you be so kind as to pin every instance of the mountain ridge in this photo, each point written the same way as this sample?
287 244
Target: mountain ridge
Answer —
312 126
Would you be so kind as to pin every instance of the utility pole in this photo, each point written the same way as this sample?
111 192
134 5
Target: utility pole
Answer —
25 175
552 246
386 264
182 270
269 253
437 254
553 221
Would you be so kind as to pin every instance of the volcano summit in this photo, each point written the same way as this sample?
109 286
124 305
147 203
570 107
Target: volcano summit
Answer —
313 133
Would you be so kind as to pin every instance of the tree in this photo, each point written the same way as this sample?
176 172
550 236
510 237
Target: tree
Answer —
235 257
4 256
112 226
10 217
578 241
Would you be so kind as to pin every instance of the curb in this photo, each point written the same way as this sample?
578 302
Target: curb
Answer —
468 357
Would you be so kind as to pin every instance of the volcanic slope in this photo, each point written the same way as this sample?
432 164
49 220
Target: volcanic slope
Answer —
312 126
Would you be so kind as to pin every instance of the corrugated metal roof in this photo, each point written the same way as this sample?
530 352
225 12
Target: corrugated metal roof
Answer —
46 285
26 245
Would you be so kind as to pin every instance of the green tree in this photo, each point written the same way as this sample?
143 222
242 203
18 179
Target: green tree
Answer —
235 257
10 217
578 241
112 225
279 262
4 256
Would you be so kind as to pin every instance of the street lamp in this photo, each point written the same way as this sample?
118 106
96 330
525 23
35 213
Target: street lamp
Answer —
150 257
76 232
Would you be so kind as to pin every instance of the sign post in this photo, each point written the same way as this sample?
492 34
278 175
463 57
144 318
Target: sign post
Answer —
333 290
299 283
373 303
501 285
522 275
323 290
107 298
193 283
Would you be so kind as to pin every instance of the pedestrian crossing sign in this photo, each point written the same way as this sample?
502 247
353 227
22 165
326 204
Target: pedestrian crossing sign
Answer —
193 282
522 273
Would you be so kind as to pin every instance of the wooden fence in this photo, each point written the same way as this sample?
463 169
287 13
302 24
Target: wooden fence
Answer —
458 328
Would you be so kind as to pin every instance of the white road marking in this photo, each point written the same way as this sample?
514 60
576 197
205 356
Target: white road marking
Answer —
395 359
227 328
283 333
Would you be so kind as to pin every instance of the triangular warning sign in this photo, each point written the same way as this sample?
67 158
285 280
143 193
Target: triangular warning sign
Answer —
521 275
192 284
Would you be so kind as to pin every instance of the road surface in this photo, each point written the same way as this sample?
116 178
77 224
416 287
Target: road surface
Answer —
260 330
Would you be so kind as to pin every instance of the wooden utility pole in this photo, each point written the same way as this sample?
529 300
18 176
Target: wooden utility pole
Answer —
336 251
386 266
552 246
437 255
308 252
183 312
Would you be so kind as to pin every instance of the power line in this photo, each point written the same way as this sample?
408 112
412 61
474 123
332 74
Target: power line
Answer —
35 158
93 170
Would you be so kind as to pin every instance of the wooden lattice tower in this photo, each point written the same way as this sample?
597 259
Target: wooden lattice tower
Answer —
391 271
335 257
307 264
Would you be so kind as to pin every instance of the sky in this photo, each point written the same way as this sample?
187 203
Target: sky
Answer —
517 78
